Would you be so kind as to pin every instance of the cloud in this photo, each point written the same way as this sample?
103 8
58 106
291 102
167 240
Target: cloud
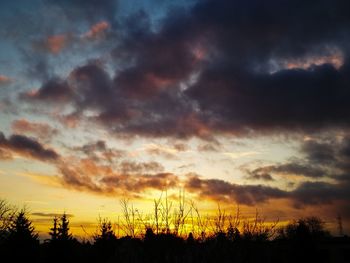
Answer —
42 130
99 151
320 152
181 147
54 90
320 184
129 167
4 80
128 178
209 147
56 43
320 193
90 10
42 214
238 155
97 30
260 174
27 147
205 71
292 168
141 183
159 150
324 170
224 191
5 155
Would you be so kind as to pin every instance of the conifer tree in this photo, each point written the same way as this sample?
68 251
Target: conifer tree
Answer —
63 229
106 232
54 230
22 231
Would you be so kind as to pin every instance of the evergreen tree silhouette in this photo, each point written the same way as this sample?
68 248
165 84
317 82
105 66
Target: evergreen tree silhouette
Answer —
63 229
21 230
23 242
54 230
62 246
106 232
105 241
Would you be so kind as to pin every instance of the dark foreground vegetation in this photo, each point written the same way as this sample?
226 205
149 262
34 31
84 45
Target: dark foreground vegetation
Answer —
232 240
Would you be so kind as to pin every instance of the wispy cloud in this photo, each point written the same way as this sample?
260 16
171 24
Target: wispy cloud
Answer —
42 130
5 80
238 155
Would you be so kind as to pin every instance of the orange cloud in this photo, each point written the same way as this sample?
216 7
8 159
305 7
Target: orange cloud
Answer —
4 79
5 155
126 178
56 43
41 130
97 30
335 58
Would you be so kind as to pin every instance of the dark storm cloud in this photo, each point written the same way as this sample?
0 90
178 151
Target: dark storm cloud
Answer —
27 147
87 9
294 168
223 67
305 194
55 90
329 154
318 193
320 152
326 163
220 190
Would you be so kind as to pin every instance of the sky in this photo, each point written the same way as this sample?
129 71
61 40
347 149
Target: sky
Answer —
232 102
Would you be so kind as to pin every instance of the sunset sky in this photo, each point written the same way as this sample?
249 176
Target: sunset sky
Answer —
235 102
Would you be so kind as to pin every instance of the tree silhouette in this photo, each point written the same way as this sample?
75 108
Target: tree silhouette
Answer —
63 229
22 240
105 240
22 231
7 214
105 232
54 230
305 229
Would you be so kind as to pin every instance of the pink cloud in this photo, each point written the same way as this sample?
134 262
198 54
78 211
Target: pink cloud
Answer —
4 79
97 30
56 43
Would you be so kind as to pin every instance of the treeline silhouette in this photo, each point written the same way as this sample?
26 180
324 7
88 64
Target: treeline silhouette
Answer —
162 238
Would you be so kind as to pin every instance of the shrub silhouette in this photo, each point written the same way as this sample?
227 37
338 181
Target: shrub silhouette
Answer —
304 229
